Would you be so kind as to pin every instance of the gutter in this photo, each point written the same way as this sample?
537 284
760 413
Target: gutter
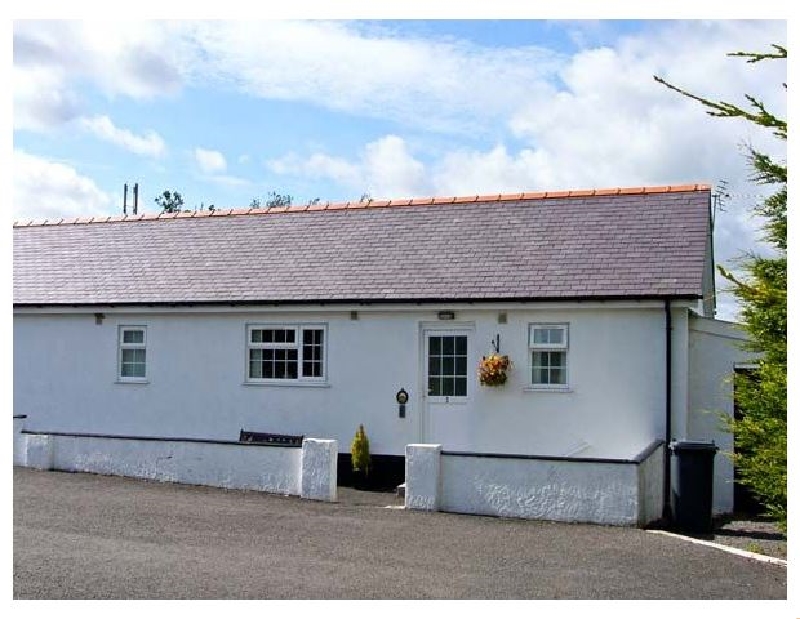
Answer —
363 302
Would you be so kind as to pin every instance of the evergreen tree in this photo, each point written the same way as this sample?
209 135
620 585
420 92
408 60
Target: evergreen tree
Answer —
760 435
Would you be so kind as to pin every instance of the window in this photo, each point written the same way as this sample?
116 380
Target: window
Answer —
548 349
447 365
132 354
285 353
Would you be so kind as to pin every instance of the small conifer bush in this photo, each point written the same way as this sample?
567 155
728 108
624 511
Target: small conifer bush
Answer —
359 451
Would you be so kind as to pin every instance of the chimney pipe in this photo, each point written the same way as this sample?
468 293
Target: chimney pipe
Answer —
125 201
135 198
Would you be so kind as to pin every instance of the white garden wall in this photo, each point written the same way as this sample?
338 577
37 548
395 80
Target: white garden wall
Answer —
579 490
19 440
309 471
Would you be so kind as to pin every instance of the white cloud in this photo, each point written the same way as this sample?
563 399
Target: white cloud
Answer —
385 168
210 161
47 189
337 65
150 144
441 84
229 181
52 60
40 99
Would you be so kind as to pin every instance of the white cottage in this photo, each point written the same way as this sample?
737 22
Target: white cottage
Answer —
308 321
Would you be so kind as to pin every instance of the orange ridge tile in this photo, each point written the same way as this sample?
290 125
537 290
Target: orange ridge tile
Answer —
425 201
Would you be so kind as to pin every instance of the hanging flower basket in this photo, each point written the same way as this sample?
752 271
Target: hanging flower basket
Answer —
493 370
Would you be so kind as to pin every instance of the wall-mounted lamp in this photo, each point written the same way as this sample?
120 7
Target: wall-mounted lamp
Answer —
98 318
446 315
402 398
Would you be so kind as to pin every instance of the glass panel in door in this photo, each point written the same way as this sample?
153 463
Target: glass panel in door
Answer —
447 366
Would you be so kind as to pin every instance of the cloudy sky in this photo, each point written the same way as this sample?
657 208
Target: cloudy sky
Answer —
225 112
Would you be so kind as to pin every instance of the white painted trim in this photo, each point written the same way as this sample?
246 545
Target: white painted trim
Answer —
298 328
468 332
143 345
430 308
543 389
564 387
720 328
290 382
729 549
448 327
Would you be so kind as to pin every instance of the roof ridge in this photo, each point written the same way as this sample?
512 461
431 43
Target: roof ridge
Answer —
368 204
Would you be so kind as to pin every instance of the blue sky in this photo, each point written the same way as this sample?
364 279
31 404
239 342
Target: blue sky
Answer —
225 112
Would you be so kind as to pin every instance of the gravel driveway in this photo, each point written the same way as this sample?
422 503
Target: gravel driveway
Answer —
89 536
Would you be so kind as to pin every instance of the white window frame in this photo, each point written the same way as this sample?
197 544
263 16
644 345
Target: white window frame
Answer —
548 347
298 328
122 345
455 332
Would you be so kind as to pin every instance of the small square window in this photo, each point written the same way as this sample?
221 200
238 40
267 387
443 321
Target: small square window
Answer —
132 354
548 355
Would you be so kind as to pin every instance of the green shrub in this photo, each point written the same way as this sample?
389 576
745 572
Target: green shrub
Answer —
359 451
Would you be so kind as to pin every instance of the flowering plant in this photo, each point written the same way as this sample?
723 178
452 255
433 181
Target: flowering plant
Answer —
493 370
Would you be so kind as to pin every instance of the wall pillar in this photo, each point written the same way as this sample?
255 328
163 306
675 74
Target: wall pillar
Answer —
19 440
318 469
39 451
423 477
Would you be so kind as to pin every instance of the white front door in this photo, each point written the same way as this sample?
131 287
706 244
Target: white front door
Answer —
448 385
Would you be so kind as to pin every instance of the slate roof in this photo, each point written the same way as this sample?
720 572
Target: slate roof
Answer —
619 243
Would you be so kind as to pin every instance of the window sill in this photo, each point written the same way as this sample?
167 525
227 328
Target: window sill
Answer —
285 384
132 381
566 389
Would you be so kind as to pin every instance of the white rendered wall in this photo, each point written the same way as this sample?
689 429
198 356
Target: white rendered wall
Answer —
243 467
714 350
651 487
19 442
680 374
539 489
318 469
65 379
423 477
